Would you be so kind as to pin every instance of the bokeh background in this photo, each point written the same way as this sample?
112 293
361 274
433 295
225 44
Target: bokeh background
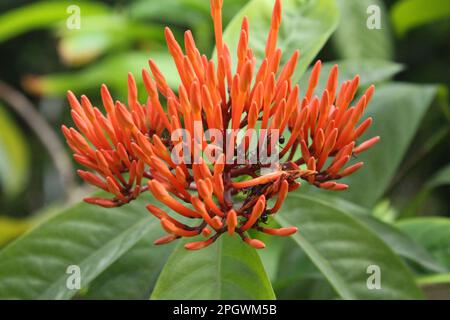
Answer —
41 59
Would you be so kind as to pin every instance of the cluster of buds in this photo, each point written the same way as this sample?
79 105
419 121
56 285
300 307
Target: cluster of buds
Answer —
162 149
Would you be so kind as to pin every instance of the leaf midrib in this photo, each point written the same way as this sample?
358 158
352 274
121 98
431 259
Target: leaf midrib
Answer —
336 281
219 269
52 287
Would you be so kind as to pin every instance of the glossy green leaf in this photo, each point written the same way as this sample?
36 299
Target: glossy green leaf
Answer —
306 25
228 269
397 110
353 39
42 14
408 14
431 232
92 238
401 243
270 256
342 248
14 156
134 275
299 278
397 240
370 71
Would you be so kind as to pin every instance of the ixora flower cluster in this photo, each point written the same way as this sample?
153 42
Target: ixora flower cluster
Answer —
132 149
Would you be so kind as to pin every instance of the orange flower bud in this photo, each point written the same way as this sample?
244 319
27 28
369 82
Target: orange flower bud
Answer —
165 239
260 180
283 232
255 243
198 245
102 202
256 213
366 145
231 221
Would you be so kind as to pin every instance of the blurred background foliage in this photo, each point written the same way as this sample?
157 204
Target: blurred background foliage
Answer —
41 59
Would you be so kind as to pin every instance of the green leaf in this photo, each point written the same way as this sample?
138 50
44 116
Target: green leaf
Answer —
42 14
12 228
134 275
93 238
14 156
433 279
342 248
299 278
104 33
306 25
192 14
401 243
397 110
441 178
431 232
409 14
353 39
175 11
397 240
228 269
181 11
385 212
270 256
112 71
370 71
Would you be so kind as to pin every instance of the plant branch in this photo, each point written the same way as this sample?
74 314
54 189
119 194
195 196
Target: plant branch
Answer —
38 124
